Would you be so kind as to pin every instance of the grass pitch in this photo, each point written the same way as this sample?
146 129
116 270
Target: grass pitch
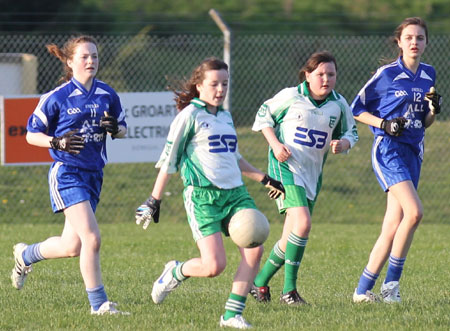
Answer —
54 297
346 223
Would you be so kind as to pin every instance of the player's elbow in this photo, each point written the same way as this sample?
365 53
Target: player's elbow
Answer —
30 137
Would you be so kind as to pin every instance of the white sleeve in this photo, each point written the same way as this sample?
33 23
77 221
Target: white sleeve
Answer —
348 128
270 109
177 139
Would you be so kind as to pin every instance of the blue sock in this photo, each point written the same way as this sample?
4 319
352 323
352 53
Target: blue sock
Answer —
366 281
97 296
32 254
395 269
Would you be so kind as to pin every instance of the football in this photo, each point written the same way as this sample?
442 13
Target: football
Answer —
248 228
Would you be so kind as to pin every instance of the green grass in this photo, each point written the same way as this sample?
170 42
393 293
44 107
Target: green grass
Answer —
54 295
346 223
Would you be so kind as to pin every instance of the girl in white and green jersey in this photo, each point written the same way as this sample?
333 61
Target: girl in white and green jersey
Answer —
202 144
301 124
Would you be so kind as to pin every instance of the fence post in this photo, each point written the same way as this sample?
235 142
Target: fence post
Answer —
226 51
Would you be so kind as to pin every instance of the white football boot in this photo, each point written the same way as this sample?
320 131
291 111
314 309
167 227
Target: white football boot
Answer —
166 283
108 308
390 292
20 271
369 296
237 322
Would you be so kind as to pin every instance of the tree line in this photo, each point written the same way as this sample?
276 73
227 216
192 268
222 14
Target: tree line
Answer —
191 16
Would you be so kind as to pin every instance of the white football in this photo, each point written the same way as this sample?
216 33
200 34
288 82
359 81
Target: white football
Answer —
248 228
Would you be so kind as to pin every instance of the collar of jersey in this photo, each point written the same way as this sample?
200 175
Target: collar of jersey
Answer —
303 90
408 72
81 87
201 104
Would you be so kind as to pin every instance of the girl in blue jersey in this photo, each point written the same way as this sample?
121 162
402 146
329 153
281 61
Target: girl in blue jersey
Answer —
301 124
202 144
73 121
397 103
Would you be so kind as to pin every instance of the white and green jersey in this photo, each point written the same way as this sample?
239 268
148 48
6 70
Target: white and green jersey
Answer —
306 129
204 146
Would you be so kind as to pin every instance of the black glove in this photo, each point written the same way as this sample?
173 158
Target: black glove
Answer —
109 123
148 211
68 142
394 127
276 188
434 100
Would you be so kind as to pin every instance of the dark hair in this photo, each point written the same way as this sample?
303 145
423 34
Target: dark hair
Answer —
67 51
186 90
314 61
395 38
406 22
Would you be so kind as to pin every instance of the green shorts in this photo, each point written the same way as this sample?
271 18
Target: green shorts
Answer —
295 197
209 210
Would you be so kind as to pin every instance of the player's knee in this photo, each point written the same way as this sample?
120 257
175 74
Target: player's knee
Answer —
215 268
302 229
93 241
414 217
306 231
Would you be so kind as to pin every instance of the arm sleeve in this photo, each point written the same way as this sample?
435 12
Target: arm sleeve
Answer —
117 110
366 95
272 110
43 114
347 126
180 132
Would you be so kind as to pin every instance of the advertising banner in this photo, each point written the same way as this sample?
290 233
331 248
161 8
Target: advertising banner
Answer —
148 115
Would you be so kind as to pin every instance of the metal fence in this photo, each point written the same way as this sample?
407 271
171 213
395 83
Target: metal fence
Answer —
261 66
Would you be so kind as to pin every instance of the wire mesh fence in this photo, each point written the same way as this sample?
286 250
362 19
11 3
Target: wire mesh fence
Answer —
262 64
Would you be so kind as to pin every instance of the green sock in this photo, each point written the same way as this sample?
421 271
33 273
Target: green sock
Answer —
178 274
235 306
295 248
272 265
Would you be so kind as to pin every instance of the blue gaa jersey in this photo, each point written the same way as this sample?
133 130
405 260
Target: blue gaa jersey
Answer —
395 91
70 106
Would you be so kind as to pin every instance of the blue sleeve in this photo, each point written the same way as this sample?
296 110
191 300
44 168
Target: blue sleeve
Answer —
43 115
116 109
363 102
34 124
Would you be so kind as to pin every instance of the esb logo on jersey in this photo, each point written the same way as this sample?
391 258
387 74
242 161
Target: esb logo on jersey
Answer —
311 138
222 143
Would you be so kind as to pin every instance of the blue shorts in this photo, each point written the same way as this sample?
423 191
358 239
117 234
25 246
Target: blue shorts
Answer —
394 162
71 185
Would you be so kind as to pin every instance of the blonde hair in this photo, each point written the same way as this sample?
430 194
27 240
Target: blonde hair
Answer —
67 51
